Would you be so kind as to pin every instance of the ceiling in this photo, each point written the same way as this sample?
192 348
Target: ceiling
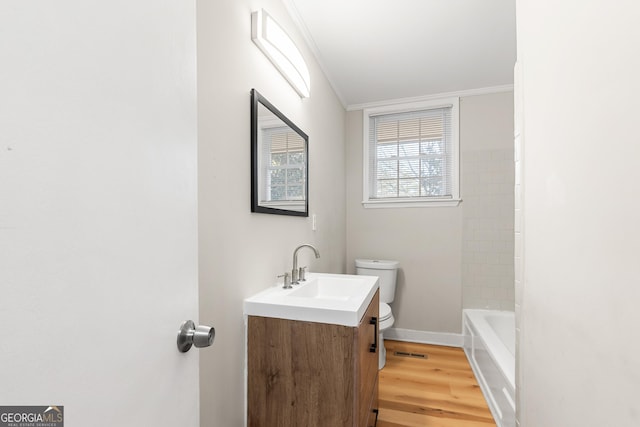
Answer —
376 50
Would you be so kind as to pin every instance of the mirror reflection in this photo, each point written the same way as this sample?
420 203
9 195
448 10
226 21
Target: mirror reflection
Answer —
279 161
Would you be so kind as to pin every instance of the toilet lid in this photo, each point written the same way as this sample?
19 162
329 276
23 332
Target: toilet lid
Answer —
385 311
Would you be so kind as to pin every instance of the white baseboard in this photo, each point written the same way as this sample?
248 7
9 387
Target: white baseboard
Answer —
425 337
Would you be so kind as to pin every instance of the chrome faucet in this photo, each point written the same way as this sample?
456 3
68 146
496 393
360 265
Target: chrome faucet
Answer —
294 272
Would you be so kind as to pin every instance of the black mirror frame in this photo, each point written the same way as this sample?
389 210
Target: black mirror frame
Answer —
257 99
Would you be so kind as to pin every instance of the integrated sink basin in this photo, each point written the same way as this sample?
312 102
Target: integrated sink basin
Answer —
334 287
339 299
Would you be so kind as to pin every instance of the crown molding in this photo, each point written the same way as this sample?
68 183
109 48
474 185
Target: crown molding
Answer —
306 34
460 94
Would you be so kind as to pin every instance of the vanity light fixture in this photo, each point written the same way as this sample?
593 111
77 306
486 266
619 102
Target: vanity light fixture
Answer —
276 44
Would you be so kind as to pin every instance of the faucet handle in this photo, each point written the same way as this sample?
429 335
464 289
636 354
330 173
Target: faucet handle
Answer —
301 274
287 281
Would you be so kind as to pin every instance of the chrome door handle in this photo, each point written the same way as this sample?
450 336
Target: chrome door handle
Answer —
189 334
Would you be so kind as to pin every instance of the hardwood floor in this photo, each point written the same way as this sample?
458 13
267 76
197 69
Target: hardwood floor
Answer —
437 391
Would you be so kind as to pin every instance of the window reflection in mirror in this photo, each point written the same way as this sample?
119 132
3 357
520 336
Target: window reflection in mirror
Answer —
279 161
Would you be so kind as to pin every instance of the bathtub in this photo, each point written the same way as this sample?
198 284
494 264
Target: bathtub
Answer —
489 343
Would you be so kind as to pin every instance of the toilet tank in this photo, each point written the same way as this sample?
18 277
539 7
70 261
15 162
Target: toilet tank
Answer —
386 271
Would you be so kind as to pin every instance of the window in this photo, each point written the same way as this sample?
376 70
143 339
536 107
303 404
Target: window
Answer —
411 155
284 165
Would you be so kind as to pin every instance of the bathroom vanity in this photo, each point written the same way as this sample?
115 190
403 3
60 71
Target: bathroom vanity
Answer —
318 372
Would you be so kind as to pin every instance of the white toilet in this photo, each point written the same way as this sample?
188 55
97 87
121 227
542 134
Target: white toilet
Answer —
386 272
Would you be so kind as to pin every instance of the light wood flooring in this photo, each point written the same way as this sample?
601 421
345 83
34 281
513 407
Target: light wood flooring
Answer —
437 391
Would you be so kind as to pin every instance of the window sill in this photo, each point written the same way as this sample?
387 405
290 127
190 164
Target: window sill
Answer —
407 203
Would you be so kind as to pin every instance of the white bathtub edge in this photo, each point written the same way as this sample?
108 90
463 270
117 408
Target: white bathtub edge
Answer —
497 385
498 352
486 391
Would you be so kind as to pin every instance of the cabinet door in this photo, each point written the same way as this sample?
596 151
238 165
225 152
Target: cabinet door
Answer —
300 373
373 408
368 348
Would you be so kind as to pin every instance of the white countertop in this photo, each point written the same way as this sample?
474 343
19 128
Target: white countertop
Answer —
339 299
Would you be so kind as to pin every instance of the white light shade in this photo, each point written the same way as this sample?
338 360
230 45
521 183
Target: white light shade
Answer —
280 49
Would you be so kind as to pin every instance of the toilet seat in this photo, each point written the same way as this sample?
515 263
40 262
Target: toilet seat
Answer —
385 311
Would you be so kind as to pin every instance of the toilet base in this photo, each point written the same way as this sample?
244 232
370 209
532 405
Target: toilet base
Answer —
382 352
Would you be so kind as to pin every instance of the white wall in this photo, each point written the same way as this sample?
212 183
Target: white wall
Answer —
428 242
578 357
241 253
98 209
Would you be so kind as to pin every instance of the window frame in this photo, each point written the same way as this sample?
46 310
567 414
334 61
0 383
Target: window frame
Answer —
400 202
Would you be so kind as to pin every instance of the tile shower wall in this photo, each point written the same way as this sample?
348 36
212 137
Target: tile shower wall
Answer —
488 227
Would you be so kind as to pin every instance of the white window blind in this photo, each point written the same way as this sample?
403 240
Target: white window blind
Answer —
412 155
284 171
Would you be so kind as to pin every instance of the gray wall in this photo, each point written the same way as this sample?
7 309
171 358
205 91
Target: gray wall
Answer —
241 253
487 180
428 242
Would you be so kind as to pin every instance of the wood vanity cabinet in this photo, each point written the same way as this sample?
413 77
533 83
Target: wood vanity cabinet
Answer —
312 374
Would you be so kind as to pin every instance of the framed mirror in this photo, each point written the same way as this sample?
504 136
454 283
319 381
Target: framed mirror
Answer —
279 161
